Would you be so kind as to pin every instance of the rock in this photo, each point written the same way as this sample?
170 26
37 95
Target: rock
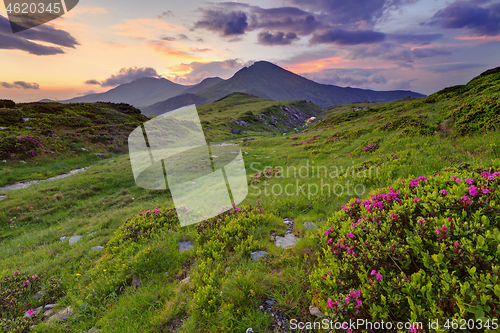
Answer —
3 128
258 254
2 197
97 248
62 239
287 241
315 311
26 119
27 127
310 225
93 330
5 161
22 161
249 330
234 152
84 149
48 313
62 315
49 307
185 246
38 295
136 281
99 155
245 154
214 156
92 234
186 280
269 302
74 239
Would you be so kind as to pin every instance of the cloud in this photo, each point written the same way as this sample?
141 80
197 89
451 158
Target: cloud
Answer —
343 37
195 72
400 55
125 75
450 67
227 24
462 15
144 28
168 13
20 85
44 33
352 12
415 39
230 19
279 38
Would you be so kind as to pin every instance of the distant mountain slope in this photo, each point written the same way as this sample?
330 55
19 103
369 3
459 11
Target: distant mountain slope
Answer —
140 92
205 84
172 104
267 80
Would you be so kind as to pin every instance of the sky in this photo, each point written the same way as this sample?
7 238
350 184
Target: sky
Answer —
418 45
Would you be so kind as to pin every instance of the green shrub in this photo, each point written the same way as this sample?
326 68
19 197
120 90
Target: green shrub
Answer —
7 103
10 116
424 249
144 225
478 114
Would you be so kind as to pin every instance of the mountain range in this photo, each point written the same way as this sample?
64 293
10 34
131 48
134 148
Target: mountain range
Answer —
155 96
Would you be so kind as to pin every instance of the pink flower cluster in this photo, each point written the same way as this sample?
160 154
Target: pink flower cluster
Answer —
416 182
305 142
378 275
369 147
441 231
156 210
489 176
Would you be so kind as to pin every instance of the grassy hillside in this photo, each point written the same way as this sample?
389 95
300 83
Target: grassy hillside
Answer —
405 195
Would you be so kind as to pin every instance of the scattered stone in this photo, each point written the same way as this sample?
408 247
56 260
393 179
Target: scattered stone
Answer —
62 315
48 313
185 246
5 161
287 241
48 307
2 197
249 330
99 155
22 161
258 254
98 248
136 281
269 302
3 128
74 239
26 119
38 295
92 234
93 330
35 312
186 280
315 311
28 128
62 239
310 226
84 149
248 139
245 154
214 156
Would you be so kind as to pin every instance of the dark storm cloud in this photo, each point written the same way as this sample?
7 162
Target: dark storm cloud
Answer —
415 39
125 75
24 40
20 85
477 20
349 12
279 38
344 37
226 23
229 19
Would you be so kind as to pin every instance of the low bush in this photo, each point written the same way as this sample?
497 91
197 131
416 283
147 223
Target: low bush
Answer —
10 116
422 249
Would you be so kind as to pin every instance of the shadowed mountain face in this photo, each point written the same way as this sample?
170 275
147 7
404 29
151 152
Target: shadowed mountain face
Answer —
266 80
263 79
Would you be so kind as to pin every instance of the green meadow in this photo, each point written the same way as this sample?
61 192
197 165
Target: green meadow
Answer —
405 196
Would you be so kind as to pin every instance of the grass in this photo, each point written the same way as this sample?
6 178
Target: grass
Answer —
410 137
